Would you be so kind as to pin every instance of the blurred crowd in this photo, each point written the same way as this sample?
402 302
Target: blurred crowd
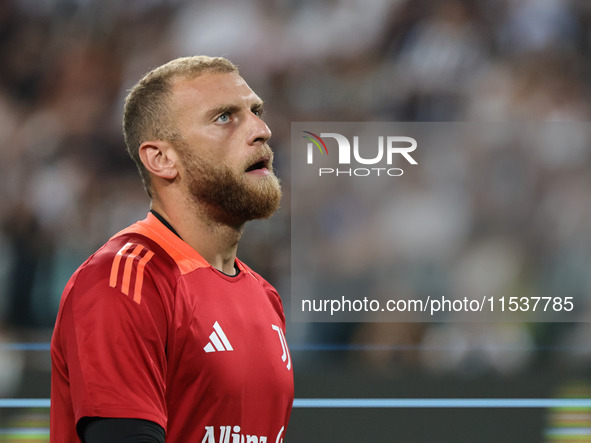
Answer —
69 185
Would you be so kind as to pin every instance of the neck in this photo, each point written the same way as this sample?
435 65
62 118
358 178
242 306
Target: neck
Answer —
215 241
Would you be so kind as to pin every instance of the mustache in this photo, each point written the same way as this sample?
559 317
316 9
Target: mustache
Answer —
267 151
264 154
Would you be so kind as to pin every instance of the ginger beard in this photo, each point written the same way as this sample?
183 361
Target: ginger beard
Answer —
230 197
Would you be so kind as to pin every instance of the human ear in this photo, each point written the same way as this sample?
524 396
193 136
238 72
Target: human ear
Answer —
159 158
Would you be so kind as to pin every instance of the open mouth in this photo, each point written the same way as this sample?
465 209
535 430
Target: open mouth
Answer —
261 163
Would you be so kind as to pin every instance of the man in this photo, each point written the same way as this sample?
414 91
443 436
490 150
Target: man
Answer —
163 331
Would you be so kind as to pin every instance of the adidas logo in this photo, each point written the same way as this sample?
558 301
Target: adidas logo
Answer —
218 340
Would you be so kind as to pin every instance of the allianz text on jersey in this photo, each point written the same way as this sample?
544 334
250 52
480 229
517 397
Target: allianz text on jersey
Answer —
232 434
389 148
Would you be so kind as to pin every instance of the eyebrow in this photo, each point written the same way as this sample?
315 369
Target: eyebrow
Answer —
231 109
258 106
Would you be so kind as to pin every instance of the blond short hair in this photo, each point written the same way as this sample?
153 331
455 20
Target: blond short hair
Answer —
146 113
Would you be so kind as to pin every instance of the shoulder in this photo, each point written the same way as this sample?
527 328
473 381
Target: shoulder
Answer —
131 264
270 291
148 247
261 281
125 259
126 285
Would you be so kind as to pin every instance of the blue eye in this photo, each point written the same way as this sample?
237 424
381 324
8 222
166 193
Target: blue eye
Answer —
224 118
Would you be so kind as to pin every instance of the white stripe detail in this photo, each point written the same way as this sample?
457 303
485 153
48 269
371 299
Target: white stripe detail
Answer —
216 342
220 332
208 348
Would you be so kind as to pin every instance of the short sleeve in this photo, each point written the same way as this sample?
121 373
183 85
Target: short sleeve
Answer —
114 344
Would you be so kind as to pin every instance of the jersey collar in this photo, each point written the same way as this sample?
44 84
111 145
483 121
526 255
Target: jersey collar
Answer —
187 258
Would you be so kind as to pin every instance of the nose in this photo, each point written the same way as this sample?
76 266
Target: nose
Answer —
260 132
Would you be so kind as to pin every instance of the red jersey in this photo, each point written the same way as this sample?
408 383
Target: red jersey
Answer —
148 329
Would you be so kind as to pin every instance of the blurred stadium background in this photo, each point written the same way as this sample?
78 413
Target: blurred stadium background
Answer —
68 185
